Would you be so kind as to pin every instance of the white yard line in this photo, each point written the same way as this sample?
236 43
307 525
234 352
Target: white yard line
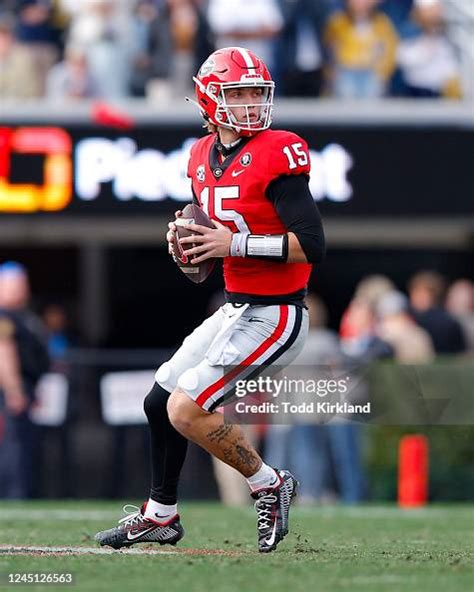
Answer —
362 512
381 579
25 550
371 512
19 514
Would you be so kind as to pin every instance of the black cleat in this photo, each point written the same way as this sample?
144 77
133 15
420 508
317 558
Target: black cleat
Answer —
135 528
273 508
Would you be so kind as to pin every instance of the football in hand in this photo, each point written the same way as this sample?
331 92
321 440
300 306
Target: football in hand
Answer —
197 273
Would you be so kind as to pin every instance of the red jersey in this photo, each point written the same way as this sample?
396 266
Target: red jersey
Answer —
233 192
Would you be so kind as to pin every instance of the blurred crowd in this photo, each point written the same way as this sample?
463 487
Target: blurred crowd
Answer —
380 322
77 49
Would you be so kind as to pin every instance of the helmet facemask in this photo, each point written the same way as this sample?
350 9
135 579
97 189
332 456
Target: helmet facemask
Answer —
223 114
225 117
235 68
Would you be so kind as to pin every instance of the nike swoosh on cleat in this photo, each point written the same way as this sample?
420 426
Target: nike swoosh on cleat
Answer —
132 537
237 173
162 515
271 540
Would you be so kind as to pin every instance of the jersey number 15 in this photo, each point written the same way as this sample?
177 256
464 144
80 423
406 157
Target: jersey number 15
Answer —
296 155
222 194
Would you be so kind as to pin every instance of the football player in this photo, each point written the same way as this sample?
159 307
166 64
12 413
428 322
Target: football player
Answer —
253 183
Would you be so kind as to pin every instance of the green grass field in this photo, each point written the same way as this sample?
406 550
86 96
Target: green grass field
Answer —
367 548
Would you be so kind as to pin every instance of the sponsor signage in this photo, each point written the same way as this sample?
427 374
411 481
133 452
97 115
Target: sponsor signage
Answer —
356 171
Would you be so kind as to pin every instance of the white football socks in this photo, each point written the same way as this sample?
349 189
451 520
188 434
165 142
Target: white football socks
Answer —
160 512
265 477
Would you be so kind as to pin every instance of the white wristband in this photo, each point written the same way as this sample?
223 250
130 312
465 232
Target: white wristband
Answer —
264 245
238 244
259 245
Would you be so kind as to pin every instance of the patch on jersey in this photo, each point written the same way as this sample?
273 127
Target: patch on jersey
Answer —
246 159
201 173
207 67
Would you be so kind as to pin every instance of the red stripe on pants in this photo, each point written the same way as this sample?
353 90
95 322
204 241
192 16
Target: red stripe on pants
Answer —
261 349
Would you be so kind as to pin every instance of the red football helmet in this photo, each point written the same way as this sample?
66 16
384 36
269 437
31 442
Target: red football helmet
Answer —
229 68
